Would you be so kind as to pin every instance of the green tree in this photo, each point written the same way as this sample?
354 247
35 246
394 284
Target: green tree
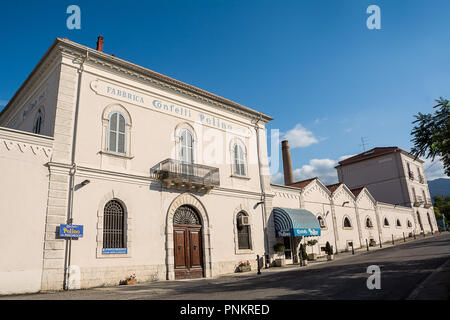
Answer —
431 134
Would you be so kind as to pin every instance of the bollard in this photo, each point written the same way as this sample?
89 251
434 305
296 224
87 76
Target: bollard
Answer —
267 262
367 245
404 239
414 234
353 250
379 237
259 267
393 240
424 233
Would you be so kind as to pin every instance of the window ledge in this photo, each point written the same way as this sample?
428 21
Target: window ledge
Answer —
244 251
347 228
116 155
240 177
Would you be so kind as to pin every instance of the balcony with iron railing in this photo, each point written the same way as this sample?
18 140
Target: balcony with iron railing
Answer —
427 203
411 175
421 179
187 176
418 201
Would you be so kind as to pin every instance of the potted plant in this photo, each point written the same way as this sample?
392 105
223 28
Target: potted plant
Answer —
244 266
329 251
312 243
279 250
303 256
131 279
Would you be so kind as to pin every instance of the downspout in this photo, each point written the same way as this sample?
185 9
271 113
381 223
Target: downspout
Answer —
263 193
72 173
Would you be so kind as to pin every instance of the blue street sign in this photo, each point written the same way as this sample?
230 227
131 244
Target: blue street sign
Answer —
70 231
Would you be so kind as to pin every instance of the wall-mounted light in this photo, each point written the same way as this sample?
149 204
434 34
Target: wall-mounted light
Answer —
345 203
85 182
257 204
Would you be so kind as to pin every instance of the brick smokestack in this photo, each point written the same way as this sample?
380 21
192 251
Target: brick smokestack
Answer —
100 43
287 163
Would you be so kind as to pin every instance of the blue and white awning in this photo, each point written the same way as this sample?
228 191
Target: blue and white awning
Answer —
295 222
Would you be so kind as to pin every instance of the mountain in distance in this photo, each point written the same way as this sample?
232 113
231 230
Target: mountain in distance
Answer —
439 187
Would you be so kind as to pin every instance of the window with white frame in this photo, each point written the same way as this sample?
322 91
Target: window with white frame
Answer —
386 222
239 160
369 223
117 133
243 231
347 223
321 222
114 225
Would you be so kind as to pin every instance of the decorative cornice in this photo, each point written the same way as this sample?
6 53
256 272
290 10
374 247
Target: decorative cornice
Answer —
114 64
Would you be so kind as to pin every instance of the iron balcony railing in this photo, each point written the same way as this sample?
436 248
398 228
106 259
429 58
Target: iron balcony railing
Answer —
428 203
411 175
180 172
418 201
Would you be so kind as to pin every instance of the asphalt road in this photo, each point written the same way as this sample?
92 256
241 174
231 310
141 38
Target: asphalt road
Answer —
404 268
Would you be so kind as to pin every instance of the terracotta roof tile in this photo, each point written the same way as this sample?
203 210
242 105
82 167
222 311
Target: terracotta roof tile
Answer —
333 187
303 183
357 191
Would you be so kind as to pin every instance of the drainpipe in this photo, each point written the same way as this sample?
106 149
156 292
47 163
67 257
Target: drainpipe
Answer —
263 194
72 174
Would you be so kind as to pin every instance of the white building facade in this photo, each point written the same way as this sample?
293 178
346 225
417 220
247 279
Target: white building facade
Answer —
168 181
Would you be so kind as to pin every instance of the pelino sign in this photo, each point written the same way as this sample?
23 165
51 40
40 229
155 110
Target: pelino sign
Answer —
70 231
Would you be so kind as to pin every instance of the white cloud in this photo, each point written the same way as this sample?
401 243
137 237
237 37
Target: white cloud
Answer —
434 169
299 137
321 168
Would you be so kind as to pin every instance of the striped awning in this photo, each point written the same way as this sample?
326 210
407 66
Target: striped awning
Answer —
295 222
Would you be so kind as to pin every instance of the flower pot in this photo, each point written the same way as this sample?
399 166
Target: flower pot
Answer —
280 262
330 257
130 281
244 268
312 256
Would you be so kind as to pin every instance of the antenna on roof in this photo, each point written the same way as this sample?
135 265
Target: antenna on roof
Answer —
363 143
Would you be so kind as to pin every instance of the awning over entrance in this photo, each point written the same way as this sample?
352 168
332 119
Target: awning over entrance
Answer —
295 222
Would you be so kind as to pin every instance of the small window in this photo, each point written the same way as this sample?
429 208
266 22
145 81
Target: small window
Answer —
347 223
321 222
114 225
239 160
386 222
409 224
398 223
243 231
369 223
38 123
117 133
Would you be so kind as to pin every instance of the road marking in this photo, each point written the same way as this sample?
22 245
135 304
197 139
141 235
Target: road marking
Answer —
420 287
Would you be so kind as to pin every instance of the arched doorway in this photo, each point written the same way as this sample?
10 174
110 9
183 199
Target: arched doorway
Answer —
188 244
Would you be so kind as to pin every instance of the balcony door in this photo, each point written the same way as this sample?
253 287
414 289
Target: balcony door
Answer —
187 237
186 152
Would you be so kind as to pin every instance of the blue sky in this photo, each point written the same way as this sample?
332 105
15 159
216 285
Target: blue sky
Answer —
312 65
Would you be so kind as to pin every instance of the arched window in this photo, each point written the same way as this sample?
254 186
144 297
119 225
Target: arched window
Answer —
398 223
429 222
409 224
117 133
386 222
347 223
369 223
38 122
239 160
114 225
321 222
243 230
186 146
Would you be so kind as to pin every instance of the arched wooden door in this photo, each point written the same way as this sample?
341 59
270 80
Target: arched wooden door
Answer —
187 237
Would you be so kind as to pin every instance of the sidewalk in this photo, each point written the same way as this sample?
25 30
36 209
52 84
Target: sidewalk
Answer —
339 256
